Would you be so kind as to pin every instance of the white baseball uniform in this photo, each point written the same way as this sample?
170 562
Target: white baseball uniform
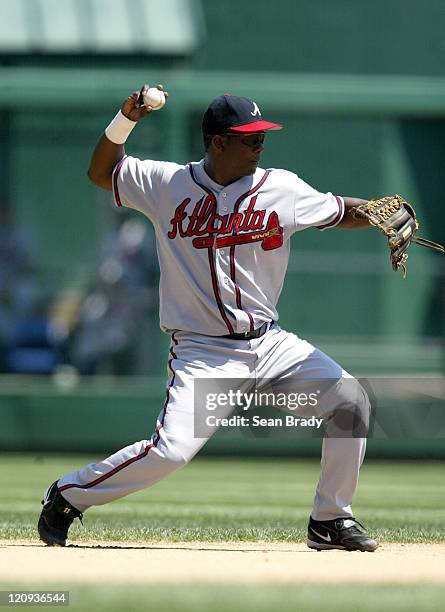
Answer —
223 253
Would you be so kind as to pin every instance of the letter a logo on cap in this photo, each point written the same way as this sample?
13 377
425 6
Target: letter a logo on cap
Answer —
256 110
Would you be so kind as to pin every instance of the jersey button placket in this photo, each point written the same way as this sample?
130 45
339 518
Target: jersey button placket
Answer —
222 252
242 324
223 260
223 269
224 206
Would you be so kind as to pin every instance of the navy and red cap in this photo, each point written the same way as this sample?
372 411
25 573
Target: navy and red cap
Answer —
234 114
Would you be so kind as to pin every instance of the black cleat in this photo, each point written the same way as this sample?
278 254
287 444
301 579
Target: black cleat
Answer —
56 517
339 533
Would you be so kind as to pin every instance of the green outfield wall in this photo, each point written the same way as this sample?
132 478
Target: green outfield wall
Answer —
357 37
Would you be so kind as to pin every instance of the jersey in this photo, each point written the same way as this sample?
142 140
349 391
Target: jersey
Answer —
223 250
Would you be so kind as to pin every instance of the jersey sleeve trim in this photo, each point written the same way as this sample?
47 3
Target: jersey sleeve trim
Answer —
338 217
117 169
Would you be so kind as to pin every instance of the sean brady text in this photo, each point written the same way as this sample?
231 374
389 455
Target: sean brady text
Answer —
256 421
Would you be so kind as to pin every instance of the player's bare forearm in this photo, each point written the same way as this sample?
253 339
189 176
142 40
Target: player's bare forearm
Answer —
107 153
105 157
349 221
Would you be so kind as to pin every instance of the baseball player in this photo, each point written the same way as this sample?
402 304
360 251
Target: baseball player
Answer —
223 228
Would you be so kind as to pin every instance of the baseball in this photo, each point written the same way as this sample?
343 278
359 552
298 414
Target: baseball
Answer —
155 98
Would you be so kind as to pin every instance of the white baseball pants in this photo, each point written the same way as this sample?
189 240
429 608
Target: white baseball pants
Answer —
277 355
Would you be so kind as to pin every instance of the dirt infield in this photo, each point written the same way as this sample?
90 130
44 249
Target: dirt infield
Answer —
22 561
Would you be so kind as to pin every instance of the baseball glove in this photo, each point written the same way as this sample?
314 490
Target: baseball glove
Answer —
395 218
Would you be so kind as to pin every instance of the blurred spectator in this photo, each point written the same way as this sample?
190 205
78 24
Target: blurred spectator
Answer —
17 263
25 344
113 332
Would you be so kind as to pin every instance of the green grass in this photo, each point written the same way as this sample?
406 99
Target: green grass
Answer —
243 499
257 598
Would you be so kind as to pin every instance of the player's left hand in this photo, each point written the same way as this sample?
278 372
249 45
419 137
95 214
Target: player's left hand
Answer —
133 108
397 219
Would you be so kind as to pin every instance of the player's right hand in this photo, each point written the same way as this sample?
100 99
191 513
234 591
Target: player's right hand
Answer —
133 108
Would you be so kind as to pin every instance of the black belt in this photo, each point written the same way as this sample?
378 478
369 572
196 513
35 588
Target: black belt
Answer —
257 333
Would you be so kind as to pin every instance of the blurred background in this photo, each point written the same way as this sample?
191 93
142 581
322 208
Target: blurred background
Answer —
360 88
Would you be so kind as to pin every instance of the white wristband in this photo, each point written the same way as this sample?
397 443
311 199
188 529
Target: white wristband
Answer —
119 129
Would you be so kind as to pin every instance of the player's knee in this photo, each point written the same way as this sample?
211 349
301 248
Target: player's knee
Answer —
177 457
364 406
350 418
